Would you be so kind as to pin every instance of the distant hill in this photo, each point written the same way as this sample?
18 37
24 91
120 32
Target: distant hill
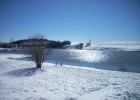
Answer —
18 42
50 43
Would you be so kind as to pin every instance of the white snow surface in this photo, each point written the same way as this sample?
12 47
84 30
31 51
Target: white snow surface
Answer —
113 45
20 80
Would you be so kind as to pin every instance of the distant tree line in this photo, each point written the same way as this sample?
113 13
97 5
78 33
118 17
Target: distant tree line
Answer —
58 44
26 42
5 45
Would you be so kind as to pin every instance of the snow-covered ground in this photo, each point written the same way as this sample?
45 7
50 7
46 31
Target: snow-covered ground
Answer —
20 80
110 46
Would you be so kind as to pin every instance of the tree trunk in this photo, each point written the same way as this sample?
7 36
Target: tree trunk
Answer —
38 65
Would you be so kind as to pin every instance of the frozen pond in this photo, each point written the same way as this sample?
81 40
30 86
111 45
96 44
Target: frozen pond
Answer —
102 59
113 60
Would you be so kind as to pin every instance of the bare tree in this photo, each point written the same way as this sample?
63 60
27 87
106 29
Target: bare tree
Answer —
36 49
88 44
11 40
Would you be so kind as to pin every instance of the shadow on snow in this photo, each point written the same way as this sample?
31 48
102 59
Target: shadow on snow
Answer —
21 59
23 72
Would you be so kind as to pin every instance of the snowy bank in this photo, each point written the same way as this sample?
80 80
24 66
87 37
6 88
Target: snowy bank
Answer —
20 80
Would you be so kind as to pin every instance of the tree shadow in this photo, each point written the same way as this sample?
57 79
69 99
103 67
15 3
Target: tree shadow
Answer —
23 72
21 59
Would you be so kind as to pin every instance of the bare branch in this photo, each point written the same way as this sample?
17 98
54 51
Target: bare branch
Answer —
36 49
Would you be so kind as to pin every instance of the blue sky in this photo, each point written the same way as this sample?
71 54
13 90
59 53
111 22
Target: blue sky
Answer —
75 20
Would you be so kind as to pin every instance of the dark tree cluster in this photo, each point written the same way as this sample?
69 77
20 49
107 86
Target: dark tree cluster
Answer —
49 43
58 44
79 46
5 45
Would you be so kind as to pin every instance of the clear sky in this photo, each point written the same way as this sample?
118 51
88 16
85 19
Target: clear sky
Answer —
75 20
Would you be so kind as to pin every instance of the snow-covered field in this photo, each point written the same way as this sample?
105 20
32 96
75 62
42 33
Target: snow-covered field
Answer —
20 80
111 45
